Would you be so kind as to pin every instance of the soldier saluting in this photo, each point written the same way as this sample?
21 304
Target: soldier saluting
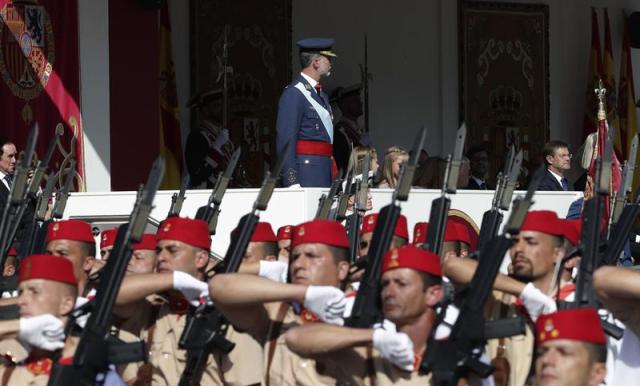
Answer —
304 115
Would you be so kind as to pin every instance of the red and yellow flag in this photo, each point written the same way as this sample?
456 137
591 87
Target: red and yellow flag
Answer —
626 100
590 124
170 138
609 81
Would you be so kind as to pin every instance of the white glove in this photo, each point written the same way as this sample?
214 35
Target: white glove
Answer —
274 270
327 302
82 320
42 331
536 302
192 288
396 347
221 139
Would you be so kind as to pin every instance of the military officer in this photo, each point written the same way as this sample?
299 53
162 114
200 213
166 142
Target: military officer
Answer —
305 119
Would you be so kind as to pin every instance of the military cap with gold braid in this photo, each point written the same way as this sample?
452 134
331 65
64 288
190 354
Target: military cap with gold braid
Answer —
321 46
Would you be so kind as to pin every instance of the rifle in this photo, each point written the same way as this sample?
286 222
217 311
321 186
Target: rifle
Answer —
326 200
97 348
592 226
451 359
206 327
40 242
440 206
366 308
492 218
39 215
343 197
359 207
620 197
178 198
210 212
623 215
12 213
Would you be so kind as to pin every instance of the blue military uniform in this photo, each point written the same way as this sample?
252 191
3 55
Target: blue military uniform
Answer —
305 120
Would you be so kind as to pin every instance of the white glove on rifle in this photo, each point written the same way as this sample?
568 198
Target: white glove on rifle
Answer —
42 331
274 270
81 320
396 347
221 139
536 302
327 302
192 288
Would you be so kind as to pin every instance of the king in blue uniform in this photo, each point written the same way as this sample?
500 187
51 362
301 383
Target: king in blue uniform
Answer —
305 119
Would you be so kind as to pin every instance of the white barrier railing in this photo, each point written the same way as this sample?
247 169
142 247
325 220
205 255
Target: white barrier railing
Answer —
288 206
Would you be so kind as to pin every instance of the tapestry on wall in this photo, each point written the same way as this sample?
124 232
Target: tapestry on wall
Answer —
258 68
504 65
40 71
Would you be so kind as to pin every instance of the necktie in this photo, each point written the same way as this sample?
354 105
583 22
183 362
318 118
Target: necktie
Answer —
318 87
9 179
565 184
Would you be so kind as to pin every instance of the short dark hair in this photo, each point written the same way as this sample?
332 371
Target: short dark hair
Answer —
269 249
339 254
551 147
429 280
476 149
597 352
306 58
89 249
4 141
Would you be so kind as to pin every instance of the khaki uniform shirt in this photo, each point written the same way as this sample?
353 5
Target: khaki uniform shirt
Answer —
517 350
167 360
243 365
283 366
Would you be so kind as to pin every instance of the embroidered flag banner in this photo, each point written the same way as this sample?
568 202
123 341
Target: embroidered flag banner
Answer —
40 71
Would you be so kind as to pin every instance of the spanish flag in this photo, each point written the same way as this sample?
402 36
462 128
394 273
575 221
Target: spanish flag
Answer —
170 139
590 124
609 80
626 101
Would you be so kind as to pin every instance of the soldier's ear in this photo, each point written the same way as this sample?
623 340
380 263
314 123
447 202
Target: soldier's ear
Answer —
343 270
67 304
433 295
202 258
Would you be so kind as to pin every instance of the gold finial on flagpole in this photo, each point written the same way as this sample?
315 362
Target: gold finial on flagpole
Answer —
601 93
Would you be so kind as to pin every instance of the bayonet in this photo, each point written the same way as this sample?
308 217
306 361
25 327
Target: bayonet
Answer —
177 199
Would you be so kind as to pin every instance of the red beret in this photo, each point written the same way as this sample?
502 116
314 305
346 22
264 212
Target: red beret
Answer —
264 233
469 228
544 221
108 237
572 230
420 232
321 231
148 242
409 256
582 324
369 224
48 267
12 252
284 232
192 232
75 230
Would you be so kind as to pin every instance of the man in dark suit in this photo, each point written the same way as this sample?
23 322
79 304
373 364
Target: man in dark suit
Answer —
558 159
8 156
479 166
305 119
